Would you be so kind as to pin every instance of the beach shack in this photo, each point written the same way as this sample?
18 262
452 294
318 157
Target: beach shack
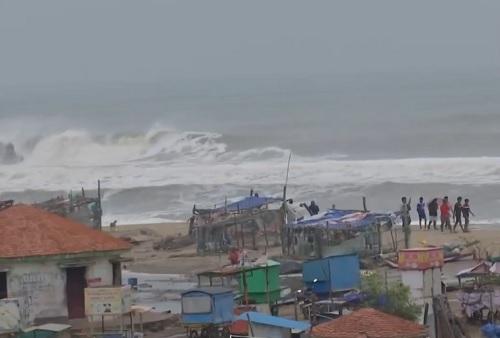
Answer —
237 224
477 272
332 274
338 232
259 283
262 282
206 311
47 261
263 325
421 270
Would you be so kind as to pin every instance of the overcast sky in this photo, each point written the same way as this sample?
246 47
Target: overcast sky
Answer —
87 41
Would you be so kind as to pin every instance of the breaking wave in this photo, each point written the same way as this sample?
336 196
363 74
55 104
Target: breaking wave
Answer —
163 156
158 174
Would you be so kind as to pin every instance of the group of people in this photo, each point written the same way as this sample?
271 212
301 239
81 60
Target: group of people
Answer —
458 212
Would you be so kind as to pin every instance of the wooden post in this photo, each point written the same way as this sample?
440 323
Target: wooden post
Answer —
237 234
265 236
245 286
242 236
379 233
250 325
99 205
285 216
364 204
267 287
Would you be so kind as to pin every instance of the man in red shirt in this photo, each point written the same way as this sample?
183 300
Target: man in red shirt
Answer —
445 214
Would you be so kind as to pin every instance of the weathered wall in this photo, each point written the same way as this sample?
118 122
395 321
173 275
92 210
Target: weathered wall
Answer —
100 273
260 330
41 286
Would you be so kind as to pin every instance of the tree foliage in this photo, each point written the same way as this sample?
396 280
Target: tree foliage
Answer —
392 298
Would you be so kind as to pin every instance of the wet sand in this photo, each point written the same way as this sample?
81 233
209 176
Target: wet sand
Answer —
186 261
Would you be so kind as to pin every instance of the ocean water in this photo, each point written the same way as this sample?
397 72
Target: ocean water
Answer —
159 148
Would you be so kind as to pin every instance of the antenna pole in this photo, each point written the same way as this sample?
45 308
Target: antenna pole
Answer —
285 218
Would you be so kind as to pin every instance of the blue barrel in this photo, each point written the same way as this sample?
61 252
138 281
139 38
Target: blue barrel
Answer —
132 282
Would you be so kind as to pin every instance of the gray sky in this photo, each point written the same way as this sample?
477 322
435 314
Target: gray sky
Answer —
88 41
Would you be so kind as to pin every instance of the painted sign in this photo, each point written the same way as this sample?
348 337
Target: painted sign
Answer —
107 300
94 282
10 315
421 258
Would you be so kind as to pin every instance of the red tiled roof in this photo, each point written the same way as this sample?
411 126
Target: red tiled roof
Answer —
369 323
29 231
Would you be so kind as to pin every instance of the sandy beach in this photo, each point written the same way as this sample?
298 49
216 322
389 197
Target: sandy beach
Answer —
184 260
185 263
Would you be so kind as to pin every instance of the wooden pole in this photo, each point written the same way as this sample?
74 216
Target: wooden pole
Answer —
99 205
265 236
267 287
364 204
242 236
245 287
285 215
379 233
250 325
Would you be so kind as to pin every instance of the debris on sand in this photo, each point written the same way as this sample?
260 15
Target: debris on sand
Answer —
173 243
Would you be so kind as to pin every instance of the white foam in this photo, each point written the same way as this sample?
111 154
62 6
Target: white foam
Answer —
72 158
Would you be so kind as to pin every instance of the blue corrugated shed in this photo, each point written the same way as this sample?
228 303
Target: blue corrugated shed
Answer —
211 305
264 319
334 273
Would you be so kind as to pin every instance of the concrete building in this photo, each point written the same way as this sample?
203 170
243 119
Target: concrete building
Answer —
421 270
47 260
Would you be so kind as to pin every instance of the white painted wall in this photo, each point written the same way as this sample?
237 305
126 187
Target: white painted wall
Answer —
41 286
101 269
270 331
423 285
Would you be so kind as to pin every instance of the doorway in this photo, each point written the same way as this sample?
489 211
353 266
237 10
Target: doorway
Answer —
117 273
3 285
75 292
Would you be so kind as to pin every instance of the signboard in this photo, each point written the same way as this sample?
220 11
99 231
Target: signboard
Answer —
107 300
421 258
10 315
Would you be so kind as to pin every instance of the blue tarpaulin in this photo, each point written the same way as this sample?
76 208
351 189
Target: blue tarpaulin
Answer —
264 319
337 219
249 202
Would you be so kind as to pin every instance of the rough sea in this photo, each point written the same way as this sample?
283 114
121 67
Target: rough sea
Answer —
158 148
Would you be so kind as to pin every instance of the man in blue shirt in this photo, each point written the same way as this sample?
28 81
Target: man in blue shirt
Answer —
421 212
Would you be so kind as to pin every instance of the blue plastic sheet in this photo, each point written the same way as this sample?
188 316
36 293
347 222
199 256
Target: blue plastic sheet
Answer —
337 219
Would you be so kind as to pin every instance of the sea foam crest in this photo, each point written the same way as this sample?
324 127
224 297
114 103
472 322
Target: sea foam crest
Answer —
164 156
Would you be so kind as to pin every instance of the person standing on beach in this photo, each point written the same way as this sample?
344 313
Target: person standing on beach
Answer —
406 220
466 211
457 214
445 214
421 213
313 207
433 213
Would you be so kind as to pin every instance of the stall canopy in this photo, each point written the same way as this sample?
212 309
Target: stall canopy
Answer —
336 219
248 203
